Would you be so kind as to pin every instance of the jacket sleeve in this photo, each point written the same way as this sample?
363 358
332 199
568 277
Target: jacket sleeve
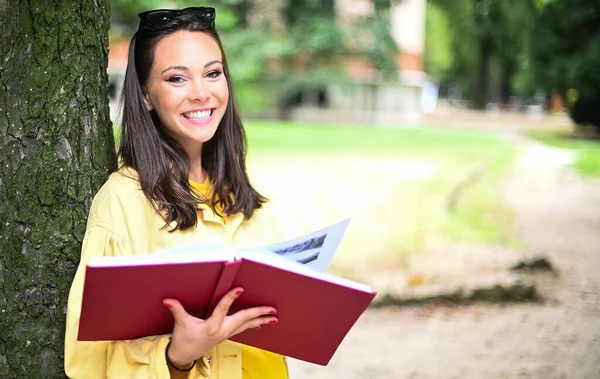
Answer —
140 358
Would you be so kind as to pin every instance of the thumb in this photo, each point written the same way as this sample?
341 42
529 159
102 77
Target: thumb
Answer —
176 309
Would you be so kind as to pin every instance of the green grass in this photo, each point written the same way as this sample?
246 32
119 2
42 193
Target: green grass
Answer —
480 217
330 172
587 151
325 139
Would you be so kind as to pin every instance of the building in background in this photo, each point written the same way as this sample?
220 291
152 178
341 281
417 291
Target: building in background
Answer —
369 97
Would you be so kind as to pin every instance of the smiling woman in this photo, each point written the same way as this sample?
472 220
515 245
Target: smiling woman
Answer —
183 179
189 93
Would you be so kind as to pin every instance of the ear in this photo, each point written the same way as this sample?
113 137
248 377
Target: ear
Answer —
147 102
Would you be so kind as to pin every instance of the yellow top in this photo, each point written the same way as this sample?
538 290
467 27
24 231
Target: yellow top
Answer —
123 222
256 363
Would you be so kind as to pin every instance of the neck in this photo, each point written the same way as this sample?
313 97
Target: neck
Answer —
197 172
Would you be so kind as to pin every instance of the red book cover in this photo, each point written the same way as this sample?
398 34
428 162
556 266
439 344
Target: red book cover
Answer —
314 315
224 284
125 302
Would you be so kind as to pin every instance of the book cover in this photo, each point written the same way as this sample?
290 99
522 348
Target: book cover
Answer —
125 302
314 315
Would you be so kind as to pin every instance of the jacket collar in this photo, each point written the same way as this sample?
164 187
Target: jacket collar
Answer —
231 223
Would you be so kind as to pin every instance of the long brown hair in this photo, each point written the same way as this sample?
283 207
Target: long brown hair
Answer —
161 163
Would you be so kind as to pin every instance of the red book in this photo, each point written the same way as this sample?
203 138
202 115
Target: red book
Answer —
122 298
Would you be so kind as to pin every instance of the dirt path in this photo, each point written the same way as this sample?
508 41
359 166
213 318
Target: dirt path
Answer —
558 214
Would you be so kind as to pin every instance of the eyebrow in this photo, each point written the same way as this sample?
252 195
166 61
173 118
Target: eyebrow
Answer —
187 69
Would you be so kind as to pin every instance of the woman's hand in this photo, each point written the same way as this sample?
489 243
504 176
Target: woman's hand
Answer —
192 337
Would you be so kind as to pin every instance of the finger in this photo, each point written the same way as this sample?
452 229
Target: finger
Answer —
224 304
254 323
241 317
177 310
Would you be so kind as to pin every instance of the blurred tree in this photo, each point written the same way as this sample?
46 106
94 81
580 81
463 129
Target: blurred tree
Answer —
56 149
566 55
459 39
488 47
485 12
513 22
439 56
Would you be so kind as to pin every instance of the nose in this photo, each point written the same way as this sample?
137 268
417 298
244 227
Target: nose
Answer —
199 91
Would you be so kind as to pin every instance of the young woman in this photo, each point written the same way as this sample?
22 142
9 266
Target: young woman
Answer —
183 179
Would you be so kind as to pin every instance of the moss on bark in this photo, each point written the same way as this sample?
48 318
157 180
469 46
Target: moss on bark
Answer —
56 149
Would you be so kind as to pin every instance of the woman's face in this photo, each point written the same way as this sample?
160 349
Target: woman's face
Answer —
187 88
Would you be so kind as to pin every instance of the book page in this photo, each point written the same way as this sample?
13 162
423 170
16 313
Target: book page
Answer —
278 261
209 252
315 250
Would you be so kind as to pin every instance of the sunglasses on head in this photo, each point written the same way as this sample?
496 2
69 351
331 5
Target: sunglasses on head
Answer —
160 17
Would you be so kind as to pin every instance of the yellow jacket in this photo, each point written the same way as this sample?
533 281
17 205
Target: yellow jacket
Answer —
123 222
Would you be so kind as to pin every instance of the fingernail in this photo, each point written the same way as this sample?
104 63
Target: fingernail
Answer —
239 292
273 312
273 321
168 305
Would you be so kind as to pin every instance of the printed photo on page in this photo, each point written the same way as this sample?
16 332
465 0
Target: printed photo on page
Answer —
316 249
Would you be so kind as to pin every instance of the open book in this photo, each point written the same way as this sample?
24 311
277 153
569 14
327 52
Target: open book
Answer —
122 297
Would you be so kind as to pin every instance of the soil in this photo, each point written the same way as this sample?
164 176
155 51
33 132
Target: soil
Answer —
558 215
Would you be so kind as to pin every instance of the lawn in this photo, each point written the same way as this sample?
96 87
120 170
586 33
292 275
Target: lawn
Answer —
407 189
587 151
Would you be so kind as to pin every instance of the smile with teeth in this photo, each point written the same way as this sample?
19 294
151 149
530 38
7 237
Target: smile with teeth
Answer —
198 115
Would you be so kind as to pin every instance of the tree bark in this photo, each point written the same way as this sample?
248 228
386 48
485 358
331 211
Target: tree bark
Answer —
56 149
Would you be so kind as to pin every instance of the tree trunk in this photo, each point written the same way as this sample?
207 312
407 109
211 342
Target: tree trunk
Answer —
56 148
508 68
484 46
482 80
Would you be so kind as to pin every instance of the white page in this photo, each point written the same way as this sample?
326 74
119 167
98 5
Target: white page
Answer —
281 262
184 254
315 250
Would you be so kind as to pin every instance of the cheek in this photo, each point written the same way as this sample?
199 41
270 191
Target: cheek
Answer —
167 100
222 91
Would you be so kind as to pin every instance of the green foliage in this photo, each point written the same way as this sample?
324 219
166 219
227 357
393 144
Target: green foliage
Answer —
456 31
551 45
438 56
541 4
567 56
451 28
372 39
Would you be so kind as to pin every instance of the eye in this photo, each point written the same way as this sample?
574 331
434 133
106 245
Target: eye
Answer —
175 79
214 74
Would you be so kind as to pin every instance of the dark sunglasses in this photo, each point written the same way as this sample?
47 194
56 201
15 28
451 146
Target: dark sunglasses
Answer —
160 17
